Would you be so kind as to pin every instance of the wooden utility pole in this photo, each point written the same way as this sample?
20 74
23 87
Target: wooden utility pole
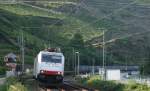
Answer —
22 50
104 55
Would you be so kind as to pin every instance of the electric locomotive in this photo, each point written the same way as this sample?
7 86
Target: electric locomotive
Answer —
49 66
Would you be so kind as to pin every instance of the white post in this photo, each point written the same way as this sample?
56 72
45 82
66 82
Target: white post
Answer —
75 63
78 64
78 59
93 70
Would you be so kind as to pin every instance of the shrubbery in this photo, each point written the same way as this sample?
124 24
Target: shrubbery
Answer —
112 85
12 84
17 87
133 86
106 85
2 70
3 87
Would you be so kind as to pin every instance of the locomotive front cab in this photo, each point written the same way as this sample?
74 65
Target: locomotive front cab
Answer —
51 68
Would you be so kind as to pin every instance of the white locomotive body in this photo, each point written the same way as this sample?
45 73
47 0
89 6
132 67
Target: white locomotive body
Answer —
49 66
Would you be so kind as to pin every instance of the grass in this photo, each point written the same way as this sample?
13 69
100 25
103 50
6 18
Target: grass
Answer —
74 25
55 4
27 10
3 87
17 87
12 84
71 26
146 2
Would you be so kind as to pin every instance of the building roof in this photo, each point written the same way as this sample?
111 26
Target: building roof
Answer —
11 55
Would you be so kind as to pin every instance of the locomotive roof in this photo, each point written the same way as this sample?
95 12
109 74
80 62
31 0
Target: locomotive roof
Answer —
50 52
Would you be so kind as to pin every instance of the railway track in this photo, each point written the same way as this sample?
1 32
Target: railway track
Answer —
65 86
78 87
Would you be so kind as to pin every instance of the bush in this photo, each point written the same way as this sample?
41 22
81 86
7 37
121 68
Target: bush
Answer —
2 70
3 87
13 84
6 85
96 82
106 85
12 80
136 87
1 62
17 87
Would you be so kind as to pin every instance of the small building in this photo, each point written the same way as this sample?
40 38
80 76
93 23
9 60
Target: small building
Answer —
113 74
11 61
10 58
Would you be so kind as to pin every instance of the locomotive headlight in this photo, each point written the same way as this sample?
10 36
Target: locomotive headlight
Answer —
41 71
59 73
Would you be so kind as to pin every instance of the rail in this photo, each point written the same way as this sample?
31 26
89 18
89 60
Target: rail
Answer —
78 87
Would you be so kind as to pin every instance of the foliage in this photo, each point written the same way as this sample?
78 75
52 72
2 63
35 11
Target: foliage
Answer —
1 62
77 41
3 87
112 85
2 70
9 82
144 69
58 26
133 86
96 82
87 54
92 78
53 29
144 2
12 84
12 80
17 87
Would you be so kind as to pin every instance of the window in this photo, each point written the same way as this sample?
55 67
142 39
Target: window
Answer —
51 58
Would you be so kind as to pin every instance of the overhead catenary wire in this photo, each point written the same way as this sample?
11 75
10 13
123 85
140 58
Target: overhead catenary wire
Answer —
114 12
127 35
122 37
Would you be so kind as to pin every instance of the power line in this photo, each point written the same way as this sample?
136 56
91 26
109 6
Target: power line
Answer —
123 37
114 12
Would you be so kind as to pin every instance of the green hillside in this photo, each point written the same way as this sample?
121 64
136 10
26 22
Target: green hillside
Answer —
70 24
55 23
126 25
40 28
146 2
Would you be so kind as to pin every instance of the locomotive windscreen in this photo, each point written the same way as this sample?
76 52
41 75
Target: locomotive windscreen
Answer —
51 58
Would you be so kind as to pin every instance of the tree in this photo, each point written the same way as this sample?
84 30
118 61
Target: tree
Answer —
77 41
145 68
